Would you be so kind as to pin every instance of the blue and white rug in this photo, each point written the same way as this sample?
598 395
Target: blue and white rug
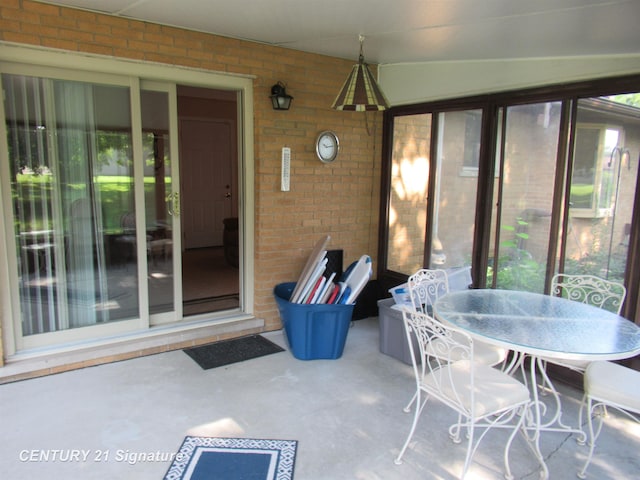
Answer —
213 458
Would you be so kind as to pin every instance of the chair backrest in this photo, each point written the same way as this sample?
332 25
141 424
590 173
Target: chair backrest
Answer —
425 287
449 375
590 289
128 222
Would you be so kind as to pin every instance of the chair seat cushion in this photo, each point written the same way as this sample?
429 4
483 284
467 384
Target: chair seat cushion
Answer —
488 383
613 383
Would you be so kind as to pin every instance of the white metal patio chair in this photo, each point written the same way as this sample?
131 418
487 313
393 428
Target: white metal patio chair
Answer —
425 287
483 396
596 291
607 384
589 289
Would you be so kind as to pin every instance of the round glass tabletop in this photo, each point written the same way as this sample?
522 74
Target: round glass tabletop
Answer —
541 325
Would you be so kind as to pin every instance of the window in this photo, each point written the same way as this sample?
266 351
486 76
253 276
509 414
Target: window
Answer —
448 208
521 185
472 127
524 196
408 194
594 170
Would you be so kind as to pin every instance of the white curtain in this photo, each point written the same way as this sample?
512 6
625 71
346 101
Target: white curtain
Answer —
86 285
53 149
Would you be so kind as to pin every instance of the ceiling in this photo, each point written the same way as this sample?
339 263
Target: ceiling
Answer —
400 31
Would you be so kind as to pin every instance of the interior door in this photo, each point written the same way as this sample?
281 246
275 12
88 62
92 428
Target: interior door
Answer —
206 180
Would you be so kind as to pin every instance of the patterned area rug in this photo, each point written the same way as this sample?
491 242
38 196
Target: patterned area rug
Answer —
212 458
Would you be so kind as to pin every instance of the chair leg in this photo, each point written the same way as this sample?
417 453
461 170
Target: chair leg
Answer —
455 429
416 416
583 405
474 443
593 434
470 449
507 467
407 409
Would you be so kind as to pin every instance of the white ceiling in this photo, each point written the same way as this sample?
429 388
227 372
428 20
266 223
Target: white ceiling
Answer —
399 31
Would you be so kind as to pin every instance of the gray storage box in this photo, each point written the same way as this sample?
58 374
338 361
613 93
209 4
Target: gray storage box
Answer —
393 339
459 278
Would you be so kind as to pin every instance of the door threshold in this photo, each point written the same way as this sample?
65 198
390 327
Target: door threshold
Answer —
26 365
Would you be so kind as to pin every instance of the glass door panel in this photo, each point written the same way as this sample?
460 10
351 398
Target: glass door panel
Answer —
70 155
525 196
408 194
457 158
602 188
161 201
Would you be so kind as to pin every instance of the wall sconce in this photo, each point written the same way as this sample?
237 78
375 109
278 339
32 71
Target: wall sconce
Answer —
279 98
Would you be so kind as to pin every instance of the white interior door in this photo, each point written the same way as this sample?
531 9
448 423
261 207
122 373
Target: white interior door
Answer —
206 177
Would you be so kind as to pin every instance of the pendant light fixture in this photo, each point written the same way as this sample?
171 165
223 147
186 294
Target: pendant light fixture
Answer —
360 92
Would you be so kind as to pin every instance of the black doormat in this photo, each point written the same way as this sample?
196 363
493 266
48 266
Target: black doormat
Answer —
232 351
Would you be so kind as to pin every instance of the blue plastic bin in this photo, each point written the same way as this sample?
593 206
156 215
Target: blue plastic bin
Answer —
313 331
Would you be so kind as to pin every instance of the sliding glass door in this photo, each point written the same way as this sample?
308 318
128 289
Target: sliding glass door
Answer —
602 187
434 177
93 206
70 150
524 190
457 150
91 231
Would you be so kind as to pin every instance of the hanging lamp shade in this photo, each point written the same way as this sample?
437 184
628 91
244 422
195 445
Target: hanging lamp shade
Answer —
360 91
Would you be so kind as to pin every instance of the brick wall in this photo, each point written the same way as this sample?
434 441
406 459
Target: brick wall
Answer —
340 199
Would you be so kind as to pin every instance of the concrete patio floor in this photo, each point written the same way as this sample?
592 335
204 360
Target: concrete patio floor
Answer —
346 415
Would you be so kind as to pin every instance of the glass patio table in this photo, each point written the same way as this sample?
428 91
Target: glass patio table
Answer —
540 326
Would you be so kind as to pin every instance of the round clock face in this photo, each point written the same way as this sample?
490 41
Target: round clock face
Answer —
327 146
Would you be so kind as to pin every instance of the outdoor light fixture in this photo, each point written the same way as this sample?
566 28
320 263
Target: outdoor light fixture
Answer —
360 92
279 98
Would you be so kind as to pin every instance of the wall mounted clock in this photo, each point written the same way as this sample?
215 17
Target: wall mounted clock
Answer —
327 146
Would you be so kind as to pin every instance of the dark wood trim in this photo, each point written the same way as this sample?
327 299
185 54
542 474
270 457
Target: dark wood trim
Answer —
631 307
385 192
431 192
564 173
484 195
